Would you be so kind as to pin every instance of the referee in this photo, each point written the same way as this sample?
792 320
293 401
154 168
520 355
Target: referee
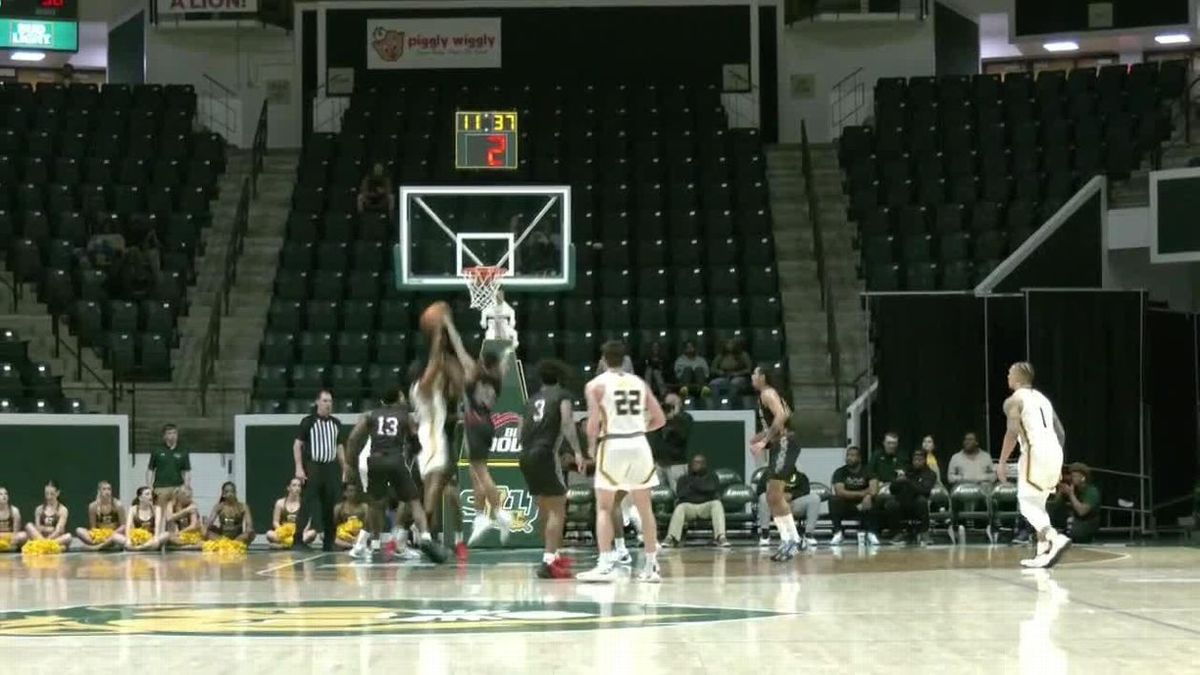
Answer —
321 466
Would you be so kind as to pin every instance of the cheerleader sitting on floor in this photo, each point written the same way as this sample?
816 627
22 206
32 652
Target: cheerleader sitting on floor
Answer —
106 521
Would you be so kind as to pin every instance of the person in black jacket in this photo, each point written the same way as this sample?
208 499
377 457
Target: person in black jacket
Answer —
697 495
910 506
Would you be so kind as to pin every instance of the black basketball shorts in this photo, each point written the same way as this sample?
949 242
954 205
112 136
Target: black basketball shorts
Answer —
782 459
479 435
543 472
389 474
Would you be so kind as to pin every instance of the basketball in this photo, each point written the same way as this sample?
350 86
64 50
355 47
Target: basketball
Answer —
431 318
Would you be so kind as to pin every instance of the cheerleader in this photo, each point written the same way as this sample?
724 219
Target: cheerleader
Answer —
147 516
50 518
230 518
287 509
106 521
185 528
349 507
10 524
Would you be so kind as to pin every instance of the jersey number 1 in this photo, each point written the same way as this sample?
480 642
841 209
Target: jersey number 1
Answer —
628 402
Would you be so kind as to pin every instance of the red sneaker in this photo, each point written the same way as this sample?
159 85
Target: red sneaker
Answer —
389 550
561 568
460 552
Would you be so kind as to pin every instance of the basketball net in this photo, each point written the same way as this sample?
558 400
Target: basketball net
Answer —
483 282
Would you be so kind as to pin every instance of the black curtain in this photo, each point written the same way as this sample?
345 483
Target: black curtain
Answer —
1171 360
1006 346
930 365
1086 350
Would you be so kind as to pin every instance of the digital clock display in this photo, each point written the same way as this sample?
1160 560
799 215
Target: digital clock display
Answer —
485 140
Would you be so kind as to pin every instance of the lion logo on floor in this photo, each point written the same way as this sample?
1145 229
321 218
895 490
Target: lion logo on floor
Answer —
388 44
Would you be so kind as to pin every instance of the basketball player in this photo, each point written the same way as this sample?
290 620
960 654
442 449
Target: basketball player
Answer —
1033 424
440 384
483 382
387 469
775 435
546 424
621 411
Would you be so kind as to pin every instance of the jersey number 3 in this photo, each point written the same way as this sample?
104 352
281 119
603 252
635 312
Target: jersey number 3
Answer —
628 402
388 426
539 409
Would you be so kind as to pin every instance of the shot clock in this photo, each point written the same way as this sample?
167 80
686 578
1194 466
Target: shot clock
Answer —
485 140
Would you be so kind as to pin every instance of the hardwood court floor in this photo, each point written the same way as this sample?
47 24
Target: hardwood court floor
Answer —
942 610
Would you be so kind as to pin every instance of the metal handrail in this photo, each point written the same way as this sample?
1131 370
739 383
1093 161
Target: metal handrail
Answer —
112 389
856 92
221 303
15 287
258 150
223 96
217 83
827 302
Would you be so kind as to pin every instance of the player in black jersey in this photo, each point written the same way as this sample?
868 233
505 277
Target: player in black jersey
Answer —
388 473
547 422
775 436
482 382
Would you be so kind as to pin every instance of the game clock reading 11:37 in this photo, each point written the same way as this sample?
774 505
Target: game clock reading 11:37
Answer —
485 140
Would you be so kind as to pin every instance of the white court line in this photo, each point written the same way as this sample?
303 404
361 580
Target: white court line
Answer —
1160 581
291 563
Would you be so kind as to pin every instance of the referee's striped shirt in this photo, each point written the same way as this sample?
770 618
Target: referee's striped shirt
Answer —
320 437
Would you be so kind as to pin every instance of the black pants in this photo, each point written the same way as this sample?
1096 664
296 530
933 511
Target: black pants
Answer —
908 508
321 493
847 509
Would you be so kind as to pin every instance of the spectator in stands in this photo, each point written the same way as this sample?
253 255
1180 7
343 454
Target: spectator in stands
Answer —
930 447
375 192
908 510
67 75
1075 508
697 495
136 278
733 368
654 369
971 464
106 247
854 491
671 442
691 371
806 506
888 464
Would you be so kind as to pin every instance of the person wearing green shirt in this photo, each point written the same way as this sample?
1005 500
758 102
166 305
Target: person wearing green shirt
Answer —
170 468
887 465
1075 506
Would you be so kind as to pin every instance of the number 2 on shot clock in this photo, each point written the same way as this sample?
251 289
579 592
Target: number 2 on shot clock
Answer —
486 140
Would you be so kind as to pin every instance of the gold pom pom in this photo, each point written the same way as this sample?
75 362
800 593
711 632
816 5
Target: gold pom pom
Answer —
36 547
101 534
286 533
139 536
348 530
5 543
191 537
224 547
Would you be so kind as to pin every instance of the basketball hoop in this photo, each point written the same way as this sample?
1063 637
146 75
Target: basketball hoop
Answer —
483 282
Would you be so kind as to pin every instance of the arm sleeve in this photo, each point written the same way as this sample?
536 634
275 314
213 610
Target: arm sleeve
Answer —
305 427
153 461
186 463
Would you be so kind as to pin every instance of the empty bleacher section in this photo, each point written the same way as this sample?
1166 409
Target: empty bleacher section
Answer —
956 171
82 164
670 222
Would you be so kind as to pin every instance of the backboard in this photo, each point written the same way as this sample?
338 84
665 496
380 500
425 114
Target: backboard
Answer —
445 230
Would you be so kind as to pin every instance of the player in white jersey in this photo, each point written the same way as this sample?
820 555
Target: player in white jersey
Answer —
1033 424
621 411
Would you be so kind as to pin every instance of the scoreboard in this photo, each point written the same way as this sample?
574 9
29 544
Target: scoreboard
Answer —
40 25
485 140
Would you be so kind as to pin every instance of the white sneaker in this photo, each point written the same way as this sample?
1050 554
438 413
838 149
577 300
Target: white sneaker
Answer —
764 542
838 537
479 527
649 574
1058 544
621 557
962 535
360 553
407 553
872 539
809 542
504 524
598 574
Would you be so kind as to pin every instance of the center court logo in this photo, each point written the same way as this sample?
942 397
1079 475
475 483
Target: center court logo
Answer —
348 617
517 502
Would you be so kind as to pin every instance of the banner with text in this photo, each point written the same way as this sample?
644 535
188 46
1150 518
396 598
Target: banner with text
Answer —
394 44
206 6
